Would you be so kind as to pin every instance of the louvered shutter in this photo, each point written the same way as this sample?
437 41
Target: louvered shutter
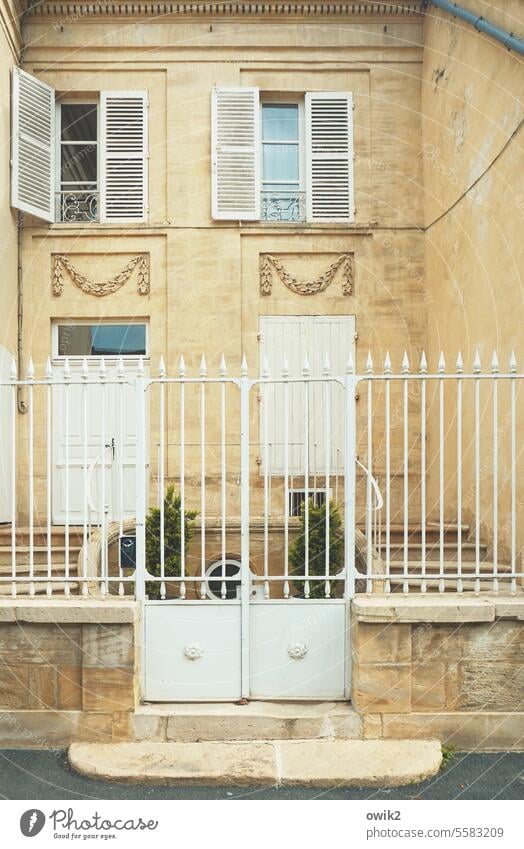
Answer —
235 154
33 146
124 154
329 156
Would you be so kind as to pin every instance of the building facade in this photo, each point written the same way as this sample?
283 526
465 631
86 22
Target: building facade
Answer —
282 182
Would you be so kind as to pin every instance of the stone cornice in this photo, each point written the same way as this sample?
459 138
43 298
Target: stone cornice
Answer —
112 8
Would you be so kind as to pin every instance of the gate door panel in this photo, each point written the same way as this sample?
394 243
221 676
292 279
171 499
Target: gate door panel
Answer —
298 649
192 651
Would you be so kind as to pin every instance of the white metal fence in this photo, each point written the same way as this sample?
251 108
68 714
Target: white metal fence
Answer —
404 481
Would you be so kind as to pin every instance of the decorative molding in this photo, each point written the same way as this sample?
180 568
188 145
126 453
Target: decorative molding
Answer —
70 12
99 290
297 651
270 266
193 651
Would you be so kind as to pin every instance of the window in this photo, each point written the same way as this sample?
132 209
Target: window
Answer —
282 172
77 195
78 161
101 340
285 160
297 498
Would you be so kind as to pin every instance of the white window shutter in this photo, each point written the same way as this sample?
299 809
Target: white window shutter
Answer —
123 156
329 157
235 122
32 146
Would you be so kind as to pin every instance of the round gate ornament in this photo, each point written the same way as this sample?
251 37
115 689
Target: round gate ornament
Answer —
193 651
297 651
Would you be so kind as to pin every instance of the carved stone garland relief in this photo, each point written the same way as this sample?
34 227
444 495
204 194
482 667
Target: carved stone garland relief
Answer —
99 290
270 267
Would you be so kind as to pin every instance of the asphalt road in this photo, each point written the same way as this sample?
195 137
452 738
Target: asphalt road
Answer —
45 774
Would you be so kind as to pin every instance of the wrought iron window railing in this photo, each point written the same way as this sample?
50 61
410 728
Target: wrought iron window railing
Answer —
283 206
77 205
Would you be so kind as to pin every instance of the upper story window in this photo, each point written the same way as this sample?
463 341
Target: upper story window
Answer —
287 160
77 193
283 195
79 161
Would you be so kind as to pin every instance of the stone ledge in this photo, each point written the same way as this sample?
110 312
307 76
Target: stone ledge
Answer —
318 763
191 723
480 731
509 607
43 729
421 608
72 611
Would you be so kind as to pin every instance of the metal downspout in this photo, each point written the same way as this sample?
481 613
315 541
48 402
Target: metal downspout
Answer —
507 39
21 403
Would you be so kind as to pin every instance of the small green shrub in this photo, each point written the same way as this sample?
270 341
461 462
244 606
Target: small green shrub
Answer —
317 549
172 539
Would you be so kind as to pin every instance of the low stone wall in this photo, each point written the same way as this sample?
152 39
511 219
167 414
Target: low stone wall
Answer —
426 667
422 667
67 671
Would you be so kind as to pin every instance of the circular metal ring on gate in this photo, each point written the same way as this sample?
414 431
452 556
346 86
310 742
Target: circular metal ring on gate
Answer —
230 576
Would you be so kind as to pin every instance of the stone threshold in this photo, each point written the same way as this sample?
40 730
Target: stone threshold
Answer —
317 763
257 720
70 610
418 607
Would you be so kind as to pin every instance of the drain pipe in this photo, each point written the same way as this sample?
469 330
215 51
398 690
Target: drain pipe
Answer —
21 403
507 39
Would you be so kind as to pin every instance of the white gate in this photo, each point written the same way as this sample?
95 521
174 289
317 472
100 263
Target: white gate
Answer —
254 604
284 518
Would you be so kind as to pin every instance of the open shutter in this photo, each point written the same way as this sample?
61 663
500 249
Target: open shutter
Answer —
33 146
124 153
329 156
235 154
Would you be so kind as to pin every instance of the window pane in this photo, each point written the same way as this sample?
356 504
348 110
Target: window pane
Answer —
79 163
101 340
280 162
79 121
280 122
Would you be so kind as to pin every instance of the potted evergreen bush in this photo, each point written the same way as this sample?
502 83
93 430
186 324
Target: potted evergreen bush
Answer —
317 550
172 539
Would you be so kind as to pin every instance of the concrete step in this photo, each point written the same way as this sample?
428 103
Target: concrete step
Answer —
40 535
396 534
468 549
40 588
192 723
40 568
449 567
317 763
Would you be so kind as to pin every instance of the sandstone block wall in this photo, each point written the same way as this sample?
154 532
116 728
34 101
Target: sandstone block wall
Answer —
460 681
63 681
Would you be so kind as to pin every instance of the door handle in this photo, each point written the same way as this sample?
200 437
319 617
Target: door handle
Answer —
111 445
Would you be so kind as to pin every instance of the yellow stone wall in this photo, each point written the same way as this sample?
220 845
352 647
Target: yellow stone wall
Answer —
205 294
472 138
9 56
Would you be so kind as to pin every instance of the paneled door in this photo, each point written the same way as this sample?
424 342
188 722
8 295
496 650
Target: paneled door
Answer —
94 427
326 341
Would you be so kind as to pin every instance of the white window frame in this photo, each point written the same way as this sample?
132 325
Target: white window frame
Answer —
283 99
78 101
92 358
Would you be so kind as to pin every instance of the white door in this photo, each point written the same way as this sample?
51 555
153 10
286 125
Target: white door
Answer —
94 426
290 339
